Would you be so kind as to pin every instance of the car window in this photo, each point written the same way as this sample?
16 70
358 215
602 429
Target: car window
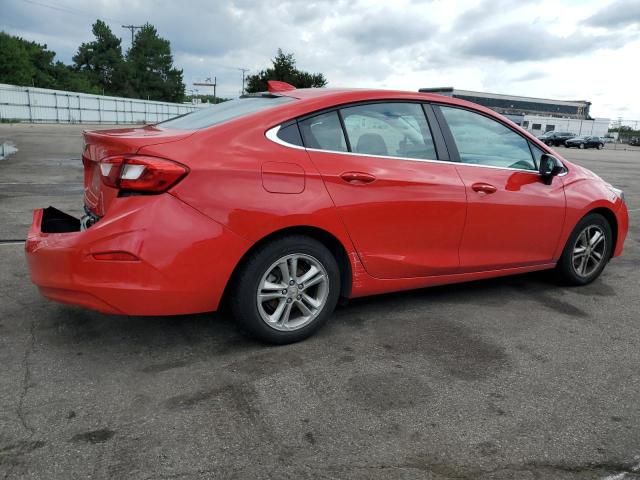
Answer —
483 141
290 134
537 153
223 112
389 129
323 132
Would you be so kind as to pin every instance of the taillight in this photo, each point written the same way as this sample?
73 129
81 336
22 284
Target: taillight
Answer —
139 173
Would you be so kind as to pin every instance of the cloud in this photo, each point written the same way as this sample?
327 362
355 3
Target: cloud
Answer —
521 42
529 76
620 13
525 47
386 30
484 12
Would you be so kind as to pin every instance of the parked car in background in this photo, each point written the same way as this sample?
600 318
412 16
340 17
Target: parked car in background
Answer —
555 139
635 141
585 141
279 204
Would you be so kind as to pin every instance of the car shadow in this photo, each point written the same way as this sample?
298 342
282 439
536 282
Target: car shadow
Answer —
218 332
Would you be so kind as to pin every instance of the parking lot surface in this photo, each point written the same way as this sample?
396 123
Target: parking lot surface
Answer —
509 378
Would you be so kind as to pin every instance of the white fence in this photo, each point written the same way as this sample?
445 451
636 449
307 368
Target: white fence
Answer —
29 104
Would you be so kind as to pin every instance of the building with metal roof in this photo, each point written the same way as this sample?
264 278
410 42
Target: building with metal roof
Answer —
538 115
516 105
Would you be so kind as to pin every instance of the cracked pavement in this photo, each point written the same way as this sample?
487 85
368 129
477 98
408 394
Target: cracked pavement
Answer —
501 379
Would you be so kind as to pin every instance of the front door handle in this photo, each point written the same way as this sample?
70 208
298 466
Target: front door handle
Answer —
357 178
483 187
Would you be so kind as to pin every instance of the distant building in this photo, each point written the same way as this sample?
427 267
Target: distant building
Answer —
538 115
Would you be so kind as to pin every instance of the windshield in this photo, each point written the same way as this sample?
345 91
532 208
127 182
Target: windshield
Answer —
223 112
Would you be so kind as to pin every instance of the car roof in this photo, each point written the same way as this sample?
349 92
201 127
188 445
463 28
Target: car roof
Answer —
328 97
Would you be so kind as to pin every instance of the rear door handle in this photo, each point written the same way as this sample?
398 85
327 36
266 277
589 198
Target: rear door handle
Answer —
483 187
357 178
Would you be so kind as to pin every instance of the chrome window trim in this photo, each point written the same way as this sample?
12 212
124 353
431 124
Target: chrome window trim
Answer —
272 134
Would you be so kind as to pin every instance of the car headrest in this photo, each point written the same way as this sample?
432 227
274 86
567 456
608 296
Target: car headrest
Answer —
371 144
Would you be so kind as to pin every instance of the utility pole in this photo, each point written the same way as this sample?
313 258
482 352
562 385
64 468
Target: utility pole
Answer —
208 83
243 70
133 28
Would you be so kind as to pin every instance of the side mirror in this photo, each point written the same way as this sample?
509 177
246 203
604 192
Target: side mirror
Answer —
550 167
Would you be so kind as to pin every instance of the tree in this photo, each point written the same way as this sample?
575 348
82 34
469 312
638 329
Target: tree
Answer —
32 65
25 63
102 60
284 69
151 70
98 66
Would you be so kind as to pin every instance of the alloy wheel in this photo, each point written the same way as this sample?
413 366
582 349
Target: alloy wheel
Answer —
292 292
589 251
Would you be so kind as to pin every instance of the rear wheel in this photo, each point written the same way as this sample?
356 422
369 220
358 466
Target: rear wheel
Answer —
587 251
286 290
582 145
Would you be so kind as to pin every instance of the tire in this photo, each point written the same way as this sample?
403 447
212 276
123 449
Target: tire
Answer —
582 145
260 274
549 143
600 146
570 264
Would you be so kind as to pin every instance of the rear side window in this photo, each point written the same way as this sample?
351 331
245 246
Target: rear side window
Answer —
389 129
323 132
223 112
483 141
290 134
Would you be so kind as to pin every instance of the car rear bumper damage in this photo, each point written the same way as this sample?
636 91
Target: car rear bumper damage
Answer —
150 255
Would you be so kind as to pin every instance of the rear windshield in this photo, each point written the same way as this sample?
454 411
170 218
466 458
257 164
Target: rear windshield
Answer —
223 112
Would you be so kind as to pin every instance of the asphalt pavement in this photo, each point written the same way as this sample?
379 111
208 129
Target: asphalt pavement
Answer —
513 378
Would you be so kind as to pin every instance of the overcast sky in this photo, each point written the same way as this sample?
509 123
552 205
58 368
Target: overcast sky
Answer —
571 49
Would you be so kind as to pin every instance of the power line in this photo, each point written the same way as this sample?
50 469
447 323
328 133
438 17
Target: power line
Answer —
72 11
133 28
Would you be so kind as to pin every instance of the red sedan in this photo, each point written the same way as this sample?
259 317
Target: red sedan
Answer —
281 203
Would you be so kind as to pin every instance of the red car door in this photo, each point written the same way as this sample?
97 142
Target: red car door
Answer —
403 209
513 218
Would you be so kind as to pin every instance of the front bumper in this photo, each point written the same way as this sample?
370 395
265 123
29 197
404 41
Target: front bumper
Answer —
177 260
622 217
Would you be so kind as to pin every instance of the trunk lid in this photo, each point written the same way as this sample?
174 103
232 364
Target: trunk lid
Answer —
100 144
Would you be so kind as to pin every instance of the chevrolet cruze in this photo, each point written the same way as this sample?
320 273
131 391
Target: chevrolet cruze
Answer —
280 203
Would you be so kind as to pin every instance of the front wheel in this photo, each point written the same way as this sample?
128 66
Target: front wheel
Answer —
582 145
587 251
600 146
286 290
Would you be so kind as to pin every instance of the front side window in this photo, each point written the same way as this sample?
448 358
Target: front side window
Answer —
537 154
389 129
483 141
323 132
